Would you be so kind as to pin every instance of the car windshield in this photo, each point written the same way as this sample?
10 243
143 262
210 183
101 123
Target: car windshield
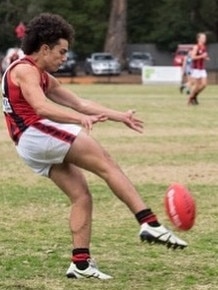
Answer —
103 57
141 56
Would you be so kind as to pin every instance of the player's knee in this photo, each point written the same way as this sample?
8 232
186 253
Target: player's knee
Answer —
84 198
108 168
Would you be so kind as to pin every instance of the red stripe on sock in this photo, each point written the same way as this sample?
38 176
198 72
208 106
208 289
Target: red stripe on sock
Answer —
80 257
149 219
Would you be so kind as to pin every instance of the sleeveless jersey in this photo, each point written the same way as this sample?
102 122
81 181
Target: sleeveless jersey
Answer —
18 113
199 63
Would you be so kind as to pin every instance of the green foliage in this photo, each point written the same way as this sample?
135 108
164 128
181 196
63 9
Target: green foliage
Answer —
179 21
165 22
169 22
11 13
141 20
173 26
89 19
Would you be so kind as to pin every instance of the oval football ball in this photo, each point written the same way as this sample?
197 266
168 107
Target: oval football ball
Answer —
180 207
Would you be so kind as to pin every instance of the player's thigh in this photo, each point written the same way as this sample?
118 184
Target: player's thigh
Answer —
197 83
88 154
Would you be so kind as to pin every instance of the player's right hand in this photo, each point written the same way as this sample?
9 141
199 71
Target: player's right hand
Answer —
132 122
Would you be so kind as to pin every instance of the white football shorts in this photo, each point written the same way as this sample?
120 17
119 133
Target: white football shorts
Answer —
199 73
46 143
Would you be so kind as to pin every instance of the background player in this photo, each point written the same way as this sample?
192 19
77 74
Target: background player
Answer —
199 75
186 74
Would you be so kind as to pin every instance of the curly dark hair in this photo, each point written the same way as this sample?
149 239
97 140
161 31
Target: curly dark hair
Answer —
46 28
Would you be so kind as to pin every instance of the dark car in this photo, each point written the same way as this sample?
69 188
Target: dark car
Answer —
69 67
137 60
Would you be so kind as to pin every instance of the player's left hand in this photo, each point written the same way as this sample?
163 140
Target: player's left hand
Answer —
87 121
132 122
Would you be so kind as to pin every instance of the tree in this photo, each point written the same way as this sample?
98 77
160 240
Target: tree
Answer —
116 38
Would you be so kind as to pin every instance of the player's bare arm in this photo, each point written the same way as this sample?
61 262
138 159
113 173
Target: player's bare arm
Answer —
195 56
27 78
62 96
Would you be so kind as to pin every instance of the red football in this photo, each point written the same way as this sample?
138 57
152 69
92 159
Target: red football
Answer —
180 206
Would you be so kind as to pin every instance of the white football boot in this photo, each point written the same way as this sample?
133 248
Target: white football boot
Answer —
90 272
160 235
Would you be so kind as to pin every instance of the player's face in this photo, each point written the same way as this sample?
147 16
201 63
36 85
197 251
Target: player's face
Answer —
55 56
202 38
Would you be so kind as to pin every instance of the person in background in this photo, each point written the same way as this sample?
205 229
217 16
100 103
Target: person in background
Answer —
186 74
199 75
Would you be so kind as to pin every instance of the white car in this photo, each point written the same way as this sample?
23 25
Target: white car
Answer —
102 63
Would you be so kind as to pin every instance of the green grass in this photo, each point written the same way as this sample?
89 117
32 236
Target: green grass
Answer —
180 143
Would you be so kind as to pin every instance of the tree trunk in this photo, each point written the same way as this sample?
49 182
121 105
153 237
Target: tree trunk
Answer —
116 38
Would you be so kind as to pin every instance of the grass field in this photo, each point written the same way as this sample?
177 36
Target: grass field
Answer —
180 143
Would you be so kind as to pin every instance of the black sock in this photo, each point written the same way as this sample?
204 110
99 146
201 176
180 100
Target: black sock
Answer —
147 216
80 258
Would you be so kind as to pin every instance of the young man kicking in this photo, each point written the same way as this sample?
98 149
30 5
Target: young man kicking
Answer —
56 143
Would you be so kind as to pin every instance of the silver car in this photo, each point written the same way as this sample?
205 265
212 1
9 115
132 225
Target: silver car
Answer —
137 60
102 63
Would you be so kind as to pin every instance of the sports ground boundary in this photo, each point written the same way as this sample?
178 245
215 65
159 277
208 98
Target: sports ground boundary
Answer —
122 79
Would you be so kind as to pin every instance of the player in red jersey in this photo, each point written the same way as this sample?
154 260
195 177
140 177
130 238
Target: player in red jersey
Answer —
56 143
199 75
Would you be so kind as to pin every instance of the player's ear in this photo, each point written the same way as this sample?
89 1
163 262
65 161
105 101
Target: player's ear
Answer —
45 49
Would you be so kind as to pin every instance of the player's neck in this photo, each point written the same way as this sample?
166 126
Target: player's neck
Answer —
35 57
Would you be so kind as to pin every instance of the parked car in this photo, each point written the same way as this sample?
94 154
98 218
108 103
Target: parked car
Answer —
137 60
181 51
102 63
69 67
